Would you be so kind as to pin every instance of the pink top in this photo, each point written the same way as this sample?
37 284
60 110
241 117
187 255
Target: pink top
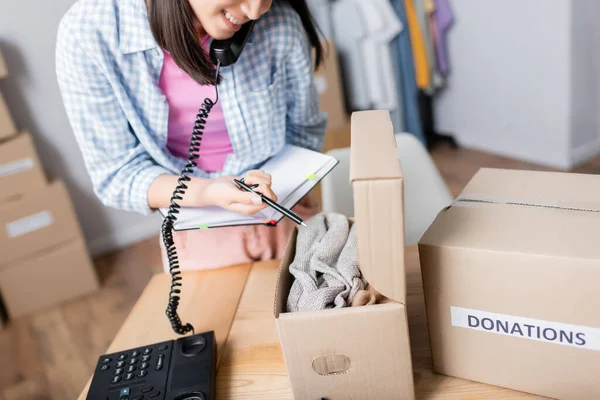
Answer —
185 96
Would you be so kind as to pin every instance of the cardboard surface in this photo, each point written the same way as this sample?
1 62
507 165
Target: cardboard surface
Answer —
7 124
377 186
35 222
374 365
511 272
357 352
59 274
20 167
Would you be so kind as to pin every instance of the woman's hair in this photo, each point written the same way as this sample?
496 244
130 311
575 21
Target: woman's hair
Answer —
173 25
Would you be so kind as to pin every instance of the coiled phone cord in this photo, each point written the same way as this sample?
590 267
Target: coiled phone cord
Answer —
169 221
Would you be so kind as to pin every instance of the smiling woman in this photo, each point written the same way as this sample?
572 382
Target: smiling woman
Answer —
133 74
177 25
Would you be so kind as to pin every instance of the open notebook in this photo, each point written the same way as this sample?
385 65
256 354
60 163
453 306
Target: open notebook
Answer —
294 172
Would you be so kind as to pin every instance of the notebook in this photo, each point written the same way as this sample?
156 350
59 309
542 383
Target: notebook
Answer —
295 171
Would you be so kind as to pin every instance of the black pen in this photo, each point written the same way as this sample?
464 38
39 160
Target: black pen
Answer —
288 213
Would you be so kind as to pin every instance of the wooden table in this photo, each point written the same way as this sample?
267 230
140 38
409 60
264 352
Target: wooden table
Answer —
237 303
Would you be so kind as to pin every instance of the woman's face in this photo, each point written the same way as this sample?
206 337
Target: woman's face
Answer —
222 18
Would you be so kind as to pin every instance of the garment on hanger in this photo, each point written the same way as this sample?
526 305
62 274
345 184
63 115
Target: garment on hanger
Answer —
349 32
397 115
443 19
382 25
437 79
321 10
391 79
418 46
423 8
404 55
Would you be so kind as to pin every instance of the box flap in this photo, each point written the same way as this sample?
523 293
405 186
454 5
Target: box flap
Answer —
3 69
285 278
541 188
373 151
377 187
529 212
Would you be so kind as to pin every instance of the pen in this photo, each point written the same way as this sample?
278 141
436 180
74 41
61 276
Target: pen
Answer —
288 213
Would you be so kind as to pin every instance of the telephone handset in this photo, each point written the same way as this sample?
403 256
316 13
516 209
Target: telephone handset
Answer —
227 52
222 53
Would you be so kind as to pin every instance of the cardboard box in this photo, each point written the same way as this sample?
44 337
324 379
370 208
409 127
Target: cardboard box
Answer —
511 274
358 352
35 222
20 167
59 274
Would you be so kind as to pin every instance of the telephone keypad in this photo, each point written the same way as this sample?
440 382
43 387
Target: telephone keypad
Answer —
144 372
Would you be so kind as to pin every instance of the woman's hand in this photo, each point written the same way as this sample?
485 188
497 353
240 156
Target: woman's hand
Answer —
224 192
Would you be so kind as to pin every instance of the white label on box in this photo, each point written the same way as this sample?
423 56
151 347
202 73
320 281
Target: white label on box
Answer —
321 84
15 167
527 328
29 224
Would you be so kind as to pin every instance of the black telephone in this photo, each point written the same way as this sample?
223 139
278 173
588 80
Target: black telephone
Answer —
182 369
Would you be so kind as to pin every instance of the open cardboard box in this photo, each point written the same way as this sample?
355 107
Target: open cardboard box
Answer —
511 276
358 352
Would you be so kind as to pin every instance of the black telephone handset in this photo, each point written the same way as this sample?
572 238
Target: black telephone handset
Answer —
223 53
227 52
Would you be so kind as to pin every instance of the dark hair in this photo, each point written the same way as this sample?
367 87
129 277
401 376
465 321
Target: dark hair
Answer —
172 24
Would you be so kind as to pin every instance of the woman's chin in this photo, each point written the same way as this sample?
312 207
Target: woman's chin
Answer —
220 33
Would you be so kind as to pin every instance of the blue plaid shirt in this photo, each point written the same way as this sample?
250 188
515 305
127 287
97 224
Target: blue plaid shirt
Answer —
108 65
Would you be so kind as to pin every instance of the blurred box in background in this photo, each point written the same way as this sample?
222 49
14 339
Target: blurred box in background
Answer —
43 259
43 255
36 221
330 87
58 274
20 167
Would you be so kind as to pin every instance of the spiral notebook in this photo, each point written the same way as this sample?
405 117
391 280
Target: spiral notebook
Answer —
294 173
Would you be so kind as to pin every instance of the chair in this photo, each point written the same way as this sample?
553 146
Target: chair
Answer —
425 192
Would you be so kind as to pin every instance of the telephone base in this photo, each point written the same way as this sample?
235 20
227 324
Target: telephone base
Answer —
181 369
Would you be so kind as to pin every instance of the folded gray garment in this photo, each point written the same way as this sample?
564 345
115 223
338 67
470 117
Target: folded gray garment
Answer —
325 267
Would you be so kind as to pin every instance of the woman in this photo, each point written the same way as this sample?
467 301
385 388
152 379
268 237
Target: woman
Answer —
133 75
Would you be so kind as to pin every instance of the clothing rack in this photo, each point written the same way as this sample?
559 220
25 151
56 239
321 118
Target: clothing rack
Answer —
393 56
